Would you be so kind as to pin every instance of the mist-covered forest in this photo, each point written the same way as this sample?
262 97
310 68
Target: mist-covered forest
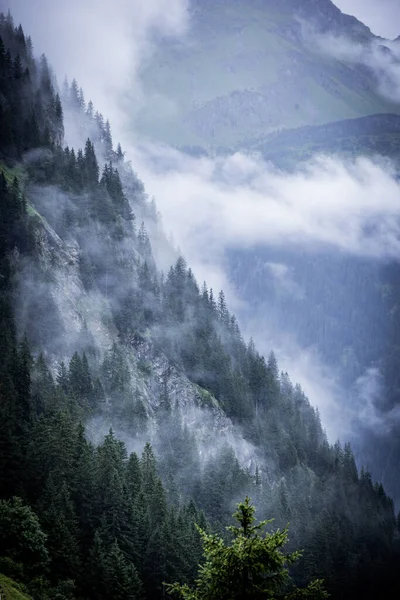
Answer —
132 410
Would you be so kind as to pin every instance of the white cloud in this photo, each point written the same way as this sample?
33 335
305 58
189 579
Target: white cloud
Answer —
369 389
213 204
283 278
100 43
381 57
240 201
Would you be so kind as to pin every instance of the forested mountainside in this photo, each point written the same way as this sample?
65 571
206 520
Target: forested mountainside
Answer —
131 407
346 307
366 136
253 67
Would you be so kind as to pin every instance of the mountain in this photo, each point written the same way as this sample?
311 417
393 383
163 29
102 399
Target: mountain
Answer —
375 135
131 407
251 79
249 68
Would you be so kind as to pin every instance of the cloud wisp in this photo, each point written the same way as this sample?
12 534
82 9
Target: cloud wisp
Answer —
381 57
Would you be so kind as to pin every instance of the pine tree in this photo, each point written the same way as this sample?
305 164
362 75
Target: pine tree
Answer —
120 154
108 144
83 486
90 110
122 581
96 566
17 67
61 525
252 567
223 313
91 167
74 94
22 539
63 377
133 476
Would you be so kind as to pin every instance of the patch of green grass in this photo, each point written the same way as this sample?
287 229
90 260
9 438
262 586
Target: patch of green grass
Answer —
11 590
32 212
10 173
207 399
20 173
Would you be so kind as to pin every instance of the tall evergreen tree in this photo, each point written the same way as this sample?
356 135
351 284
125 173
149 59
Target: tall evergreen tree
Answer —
251 567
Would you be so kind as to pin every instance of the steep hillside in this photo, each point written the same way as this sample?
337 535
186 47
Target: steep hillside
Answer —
248 68
10 590
95 336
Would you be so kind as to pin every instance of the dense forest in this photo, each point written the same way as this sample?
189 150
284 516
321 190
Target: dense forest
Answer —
155 362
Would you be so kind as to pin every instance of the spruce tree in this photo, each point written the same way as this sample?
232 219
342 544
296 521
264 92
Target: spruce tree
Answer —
251 567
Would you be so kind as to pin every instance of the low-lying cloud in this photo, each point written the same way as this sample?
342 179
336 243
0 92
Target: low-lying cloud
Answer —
241 201
381 57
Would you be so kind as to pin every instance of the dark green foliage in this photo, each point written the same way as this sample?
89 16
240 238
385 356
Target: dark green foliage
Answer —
22 539
122 581
30 110
60 523
253 566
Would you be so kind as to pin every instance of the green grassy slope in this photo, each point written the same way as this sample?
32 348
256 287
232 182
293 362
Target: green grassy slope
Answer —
244 70
10 590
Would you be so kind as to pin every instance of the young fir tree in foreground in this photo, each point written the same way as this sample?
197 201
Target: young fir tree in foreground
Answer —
252 567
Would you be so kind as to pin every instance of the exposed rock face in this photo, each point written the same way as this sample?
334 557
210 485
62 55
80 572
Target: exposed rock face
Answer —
58 282
79 315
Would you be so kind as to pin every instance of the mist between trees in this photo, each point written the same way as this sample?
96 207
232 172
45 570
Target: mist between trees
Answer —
94 335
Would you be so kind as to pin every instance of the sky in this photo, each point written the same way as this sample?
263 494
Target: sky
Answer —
381 16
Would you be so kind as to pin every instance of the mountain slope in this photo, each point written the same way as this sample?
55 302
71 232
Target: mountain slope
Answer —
248 68
375 135
94 335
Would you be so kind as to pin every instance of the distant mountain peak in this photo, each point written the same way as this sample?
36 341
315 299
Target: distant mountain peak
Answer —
330 18
323 13
249 70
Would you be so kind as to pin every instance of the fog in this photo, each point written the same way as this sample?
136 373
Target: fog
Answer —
213 204
381 57
242 201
